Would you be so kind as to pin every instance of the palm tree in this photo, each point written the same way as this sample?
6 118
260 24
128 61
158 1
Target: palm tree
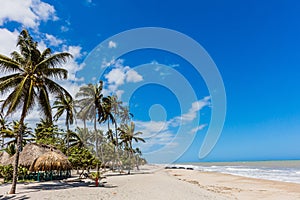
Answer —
90 105
107 116
4 125
47 133
29 83
75 140
127 135
125 115
98 138
64 104
86 137
12 133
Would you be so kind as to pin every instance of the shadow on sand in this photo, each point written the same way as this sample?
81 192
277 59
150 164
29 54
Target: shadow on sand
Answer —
14 197
126 174
57 185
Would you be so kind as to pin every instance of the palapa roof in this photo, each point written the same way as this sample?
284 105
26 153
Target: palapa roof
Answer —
31 152
4 156
50 161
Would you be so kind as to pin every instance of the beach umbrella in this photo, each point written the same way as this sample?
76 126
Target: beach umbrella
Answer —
30 153
51 161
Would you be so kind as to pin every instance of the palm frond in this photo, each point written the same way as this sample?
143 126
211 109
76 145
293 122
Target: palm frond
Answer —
44 103
54 60
8 65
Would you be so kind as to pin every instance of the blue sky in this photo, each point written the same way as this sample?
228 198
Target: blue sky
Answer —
254 44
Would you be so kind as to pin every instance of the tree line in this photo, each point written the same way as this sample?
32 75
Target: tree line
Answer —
30 82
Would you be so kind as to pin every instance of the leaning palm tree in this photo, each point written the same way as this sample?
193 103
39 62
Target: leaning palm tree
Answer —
29 83
127 135
64 104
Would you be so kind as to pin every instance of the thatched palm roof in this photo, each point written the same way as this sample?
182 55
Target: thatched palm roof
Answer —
30 153
51 161
4 156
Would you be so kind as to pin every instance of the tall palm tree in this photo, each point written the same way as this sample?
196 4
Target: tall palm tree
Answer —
125 115
64 104
107 116
29 82
127 135
90 105
86 137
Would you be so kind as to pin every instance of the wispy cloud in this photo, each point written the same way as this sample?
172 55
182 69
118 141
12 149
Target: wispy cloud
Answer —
112 44
53 41
192 113
162 132
198 128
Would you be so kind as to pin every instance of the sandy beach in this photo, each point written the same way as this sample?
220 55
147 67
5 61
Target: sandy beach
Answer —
159 184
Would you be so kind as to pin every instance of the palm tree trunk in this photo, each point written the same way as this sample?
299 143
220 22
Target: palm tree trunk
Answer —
96 138
17 155
117 148
68 138
130 155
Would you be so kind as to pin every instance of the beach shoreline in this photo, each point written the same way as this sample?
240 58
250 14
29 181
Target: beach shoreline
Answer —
155 182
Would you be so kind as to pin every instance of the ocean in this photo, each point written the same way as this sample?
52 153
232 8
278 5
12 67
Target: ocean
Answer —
286 170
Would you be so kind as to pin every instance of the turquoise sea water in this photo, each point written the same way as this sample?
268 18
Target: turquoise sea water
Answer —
286 170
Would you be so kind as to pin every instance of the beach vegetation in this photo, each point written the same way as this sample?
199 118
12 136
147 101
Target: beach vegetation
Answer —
107 138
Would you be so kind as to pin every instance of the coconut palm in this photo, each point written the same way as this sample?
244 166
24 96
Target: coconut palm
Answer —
75 140
124 114
86 137
11 134
90 105
107 116
4 125
64 104
29 83
127 135
47 133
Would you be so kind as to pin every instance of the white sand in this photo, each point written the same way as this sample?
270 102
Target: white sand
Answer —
160 184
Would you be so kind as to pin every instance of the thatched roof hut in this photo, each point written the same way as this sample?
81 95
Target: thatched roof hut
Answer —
51 161
30 153
4 156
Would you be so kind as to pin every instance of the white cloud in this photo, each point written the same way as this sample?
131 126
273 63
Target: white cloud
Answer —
72 65
133 76
119 75
192 113
116 77
8 41
160 132
112 44
64 29
53 41
151 128
27 12
198 128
